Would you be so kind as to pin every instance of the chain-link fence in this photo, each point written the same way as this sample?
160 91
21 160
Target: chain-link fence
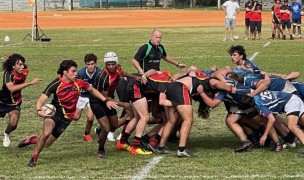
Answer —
23 5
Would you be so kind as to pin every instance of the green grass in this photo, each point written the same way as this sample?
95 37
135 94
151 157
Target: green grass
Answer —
212 142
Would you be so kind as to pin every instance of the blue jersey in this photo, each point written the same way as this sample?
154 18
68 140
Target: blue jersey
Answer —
208 72
83 74
241 90
252 79
250 64
296 9
274 102
300 89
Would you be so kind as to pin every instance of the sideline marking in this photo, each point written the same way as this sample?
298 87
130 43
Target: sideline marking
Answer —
266 44
253 56
143 173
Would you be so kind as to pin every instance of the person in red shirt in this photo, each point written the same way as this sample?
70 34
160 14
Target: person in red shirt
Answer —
276 19
66 91
248 6
285 19
14 76
256 21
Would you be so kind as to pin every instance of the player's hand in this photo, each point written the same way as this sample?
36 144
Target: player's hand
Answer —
200 89
35 80
112 105
262 140
144 79
182 66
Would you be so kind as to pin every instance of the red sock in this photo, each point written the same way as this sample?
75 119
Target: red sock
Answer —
136 142
34 140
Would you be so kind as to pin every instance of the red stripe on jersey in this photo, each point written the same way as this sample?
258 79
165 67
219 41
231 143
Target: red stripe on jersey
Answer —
200 75
136 91
186 96
161 77
113 80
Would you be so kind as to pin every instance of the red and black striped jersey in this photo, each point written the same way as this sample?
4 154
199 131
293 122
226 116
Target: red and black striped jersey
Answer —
106 81
65 95
6 96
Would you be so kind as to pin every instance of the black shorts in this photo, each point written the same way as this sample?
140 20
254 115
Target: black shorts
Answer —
296 21
4 108
247 22
61 124
134 91
100 109
178 94
255 26
121 90
275 20
286 23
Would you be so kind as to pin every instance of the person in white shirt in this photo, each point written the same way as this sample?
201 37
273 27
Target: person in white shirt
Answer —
231 9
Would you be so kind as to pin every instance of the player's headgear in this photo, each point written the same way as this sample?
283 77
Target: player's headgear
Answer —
110 57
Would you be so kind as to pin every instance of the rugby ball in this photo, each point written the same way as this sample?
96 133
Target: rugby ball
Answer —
49 109
236 37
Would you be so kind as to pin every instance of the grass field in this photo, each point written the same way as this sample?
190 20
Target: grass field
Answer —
210 140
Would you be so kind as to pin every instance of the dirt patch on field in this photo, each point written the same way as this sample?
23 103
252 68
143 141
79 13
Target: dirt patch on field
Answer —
117 19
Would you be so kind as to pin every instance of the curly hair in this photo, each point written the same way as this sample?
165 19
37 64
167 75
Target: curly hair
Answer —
65 65
90 57
11 61
238 49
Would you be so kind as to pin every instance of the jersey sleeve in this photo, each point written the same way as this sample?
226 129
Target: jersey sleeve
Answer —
7 77
51 88
141 53
262 109
82 84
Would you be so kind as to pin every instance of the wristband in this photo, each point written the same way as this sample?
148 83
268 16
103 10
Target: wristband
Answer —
105 101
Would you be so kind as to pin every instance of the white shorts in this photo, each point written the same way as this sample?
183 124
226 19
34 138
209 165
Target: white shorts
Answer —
289 87
236 110
293 105
83 102
230 22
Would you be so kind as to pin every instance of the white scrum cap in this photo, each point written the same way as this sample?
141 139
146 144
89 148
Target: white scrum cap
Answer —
110 57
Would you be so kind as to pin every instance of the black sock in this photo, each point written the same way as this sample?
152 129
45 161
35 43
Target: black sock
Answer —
86 132
181 148
101 149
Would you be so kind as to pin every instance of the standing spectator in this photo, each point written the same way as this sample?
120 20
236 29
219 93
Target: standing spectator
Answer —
88 74
231 9
276 19
256 21
14 76
248 6
149 55
285 19
296 8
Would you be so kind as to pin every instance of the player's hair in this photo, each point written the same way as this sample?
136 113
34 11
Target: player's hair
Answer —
90 57
203 109
235 76
238 49
11 60
65 65
246 102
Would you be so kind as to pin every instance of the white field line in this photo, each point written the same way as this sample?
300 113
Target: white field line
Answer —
265 45
252 176
143 173
7 45
253 56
